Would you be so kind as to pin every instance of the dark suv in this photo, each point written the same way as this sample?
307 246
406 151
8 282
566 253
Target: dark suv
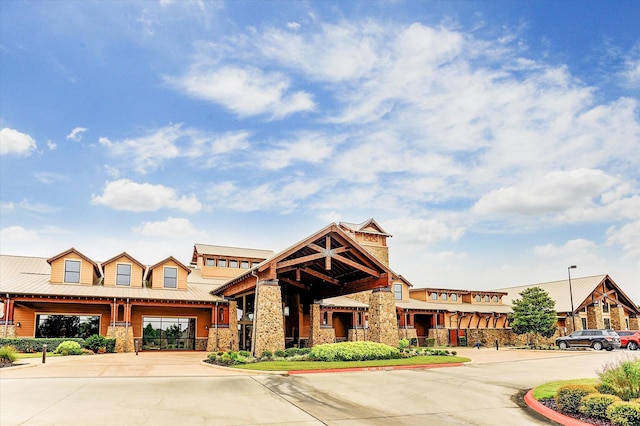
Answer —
596 339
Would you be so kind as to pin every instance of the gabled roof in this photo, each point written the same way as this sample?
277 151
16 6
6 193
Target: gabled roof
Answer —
368 226
209 249
326 245
173 259
73 250
581 288
128 256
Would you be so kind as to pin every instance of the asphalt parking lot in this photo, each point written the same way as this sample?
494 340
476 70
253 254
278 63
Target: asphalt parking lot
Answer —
175 388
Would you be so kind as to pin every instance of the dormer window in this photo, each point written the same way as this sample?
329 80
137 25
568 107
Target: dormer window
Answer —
222 263
210 262
71 271
434 296
170 277
233 264
123 274
244 264
397 291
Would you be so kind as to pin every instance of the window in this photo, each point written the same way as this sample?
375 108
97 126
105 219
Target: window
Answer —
487 299
444 296
67 325
584 323
478 298
495 299
210 262
434 296
221 315
71 271
454 297
605 308
222 263
397 291
325 318
607 323
123 274
170 277
254 264
244 264
233 264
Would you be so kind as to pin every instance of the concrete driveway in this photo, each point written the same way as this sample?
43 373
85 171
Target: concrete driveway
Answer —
174 388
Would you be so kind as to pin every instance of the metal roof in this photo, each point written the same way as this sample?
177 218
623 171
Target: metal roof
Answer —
233 251
342 302
559 291
31 276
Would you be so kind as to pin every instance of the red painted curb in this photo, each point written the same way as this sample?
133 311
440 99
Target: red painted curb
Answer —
551 414
387 368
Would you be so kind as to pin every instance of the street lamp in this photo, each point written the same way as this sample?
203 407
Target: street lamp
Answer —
573 313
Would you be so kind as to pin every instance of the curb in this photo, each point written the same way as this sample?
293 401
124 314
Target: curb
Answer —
370 369
551 414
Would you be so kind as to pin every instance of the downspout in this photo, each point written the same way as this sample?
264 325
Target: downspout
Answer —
6 316
215 321
126 327
113 317
255 314
437 332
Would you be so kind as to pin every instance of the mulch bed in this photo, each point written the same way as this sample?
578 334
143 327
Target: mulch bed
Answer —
551 403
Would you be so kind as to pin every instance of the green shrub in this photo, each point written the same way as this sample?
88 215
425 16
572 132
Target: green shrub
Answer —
621 378
289 352
280 353
403 344
245 354
95 342
568 397
304 351
30 344
596 404
8 354
430 342
110 345
267 354
353 351
624 413
69 348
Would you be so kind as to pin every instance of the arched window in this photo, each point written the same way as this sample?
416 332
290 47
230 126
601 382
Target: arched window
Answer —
444 296
434 296
478 298
454 297
221 315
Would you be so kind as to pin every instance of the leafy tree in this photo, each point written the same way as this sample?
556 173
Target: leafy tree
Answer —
534 313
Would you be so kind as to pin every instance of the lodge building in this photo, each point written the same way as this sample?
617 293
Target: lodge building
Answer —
335 285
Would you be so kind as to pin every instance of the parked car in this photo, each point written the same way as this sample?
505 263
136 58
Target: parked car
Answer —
629 339
596 339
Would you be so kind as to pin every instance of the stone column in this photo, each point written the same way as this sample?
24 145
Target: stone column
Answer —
269 319
594 316
123 335
383 326
318 333
225 336
618 318
634 322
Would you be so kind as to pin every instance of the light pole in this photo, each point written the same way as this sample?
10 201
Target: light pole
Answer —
573 313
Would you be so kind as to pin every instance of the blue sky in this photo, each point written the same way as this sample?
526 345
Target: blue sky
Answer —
498 142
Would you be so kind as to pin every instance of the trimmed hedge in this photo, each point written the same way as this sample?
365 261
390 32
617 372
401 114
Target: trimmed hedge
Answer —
30 344
568 397
353 351
624 413
596 404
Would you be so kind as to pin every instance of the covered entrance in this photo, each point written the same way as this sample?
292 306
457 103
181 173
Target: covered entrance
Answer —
276 299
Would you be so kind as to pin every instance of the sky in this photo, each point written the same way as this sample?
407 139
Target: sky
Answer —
498 142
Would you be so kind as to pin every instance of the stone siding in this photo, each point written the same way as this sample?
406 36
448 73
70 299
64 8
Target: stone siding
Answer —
383 325
359 334
8 331
269 319
407 333
222 339
123 336
594 317
319 335
618 318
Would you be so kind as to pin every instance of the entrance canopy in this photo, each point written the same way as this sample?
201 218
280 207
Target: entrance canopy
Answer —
325 264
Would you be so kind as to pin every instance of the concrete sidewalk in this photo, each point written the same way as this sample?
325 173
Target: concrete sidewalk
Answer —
184 364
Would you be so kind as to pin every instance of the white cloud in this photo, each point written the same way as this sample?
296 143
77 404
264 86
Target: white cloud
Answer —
306 148
415 231
15 142
26 206
151 150
17 234
554 192
627 236
170 228
50 177
245 91
51 145
124 194
76 134
574 248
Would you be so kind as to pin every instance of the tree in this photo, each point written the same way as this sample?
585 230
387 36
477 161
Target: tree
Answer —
534 313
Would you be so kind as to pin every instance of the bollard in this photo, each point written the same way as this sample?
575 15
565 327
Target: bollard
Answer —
136 346
497 345
44 353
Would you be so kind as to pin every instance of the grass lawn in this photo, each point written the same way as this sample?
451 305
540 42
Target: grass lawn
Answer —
548 390
22 355
319 365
